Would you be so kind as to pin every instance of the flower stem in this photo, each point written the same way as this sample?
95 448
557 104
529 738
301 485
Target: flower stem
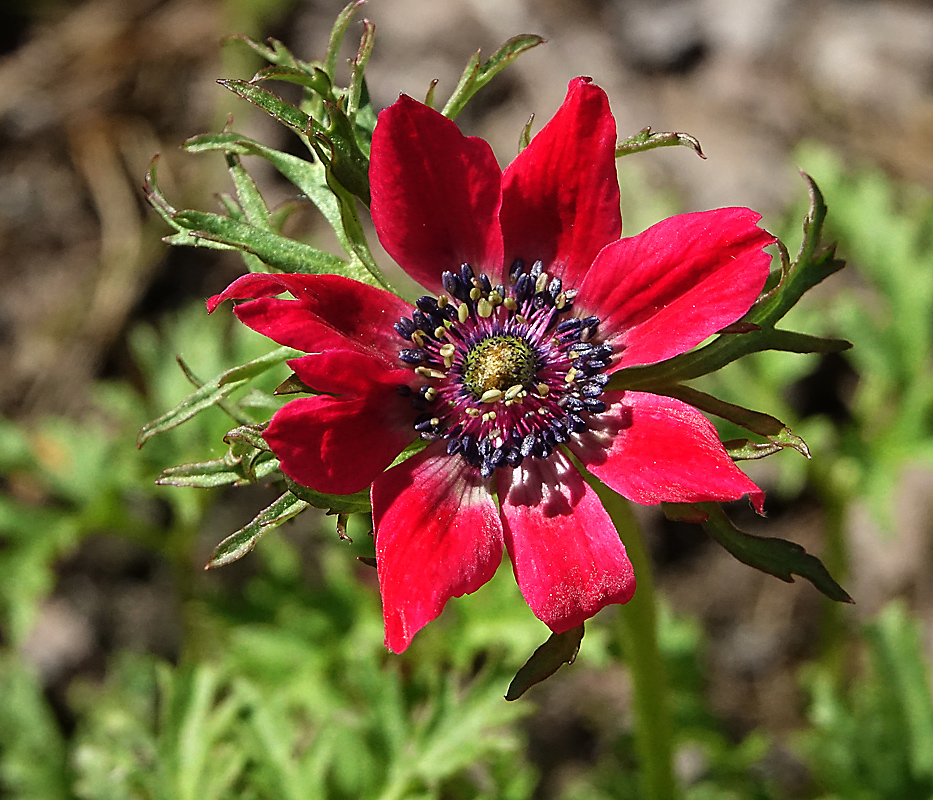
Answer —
638 626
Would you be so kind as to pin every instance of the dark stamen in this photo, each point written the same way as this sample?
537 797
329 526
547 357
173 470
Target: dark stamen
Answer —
575 423
405 328
427 304
524 286
412 355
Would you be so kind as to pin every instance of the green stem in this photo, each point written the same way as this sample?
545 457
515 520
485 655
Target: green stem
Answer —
639 632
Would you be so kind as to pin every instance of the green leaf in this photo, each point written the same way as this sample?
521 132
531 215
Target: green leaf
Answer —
356 237
524 138
279 252
559 649
219 472
745 450
646 139
349 164
272 104
755 421
275 52
311 179
214 391
238 544
777 557
357 503
254 207
337 33
249 435
314 78
475 76
356 96
315 180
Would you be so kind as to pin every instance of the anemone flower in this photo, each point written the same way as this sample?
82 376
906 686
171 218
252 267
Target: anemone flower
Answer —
500 369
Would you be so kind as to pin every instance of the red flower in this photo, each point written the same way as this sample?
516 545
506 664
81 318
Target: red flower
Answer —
535 301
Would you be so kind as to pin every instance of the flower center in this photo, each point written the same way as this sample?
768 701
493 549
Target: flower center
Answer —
498 362
508 374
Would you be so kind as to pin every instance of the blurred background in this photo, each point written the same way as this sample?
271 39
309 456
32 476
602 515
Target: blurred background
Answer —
126 671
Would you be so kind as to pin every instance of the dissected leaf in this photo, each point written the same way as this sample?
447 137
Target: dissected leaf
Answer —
357 503
559 649
745 450
755 421
240 543
777 557
272 104
475 76
212 392
310 178
219 472
646 139
278 252
254 207
337 33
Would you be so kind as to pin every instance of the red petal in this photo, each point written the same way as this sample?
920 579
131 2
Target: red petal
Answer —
328 311
438 536
654 449
339 446
664 291
435 194
566 553
350 372
560 197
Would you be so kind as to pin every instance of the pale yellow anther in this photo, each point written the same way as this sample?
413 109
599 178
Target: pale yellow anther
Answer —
484 308
542 282
491 396
447 350
472 412
475 293
543 389
571 375
418 338
463 313
495 298
442 301
427 372
430 394
514 391
439 332
510 303
521 319
560 301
